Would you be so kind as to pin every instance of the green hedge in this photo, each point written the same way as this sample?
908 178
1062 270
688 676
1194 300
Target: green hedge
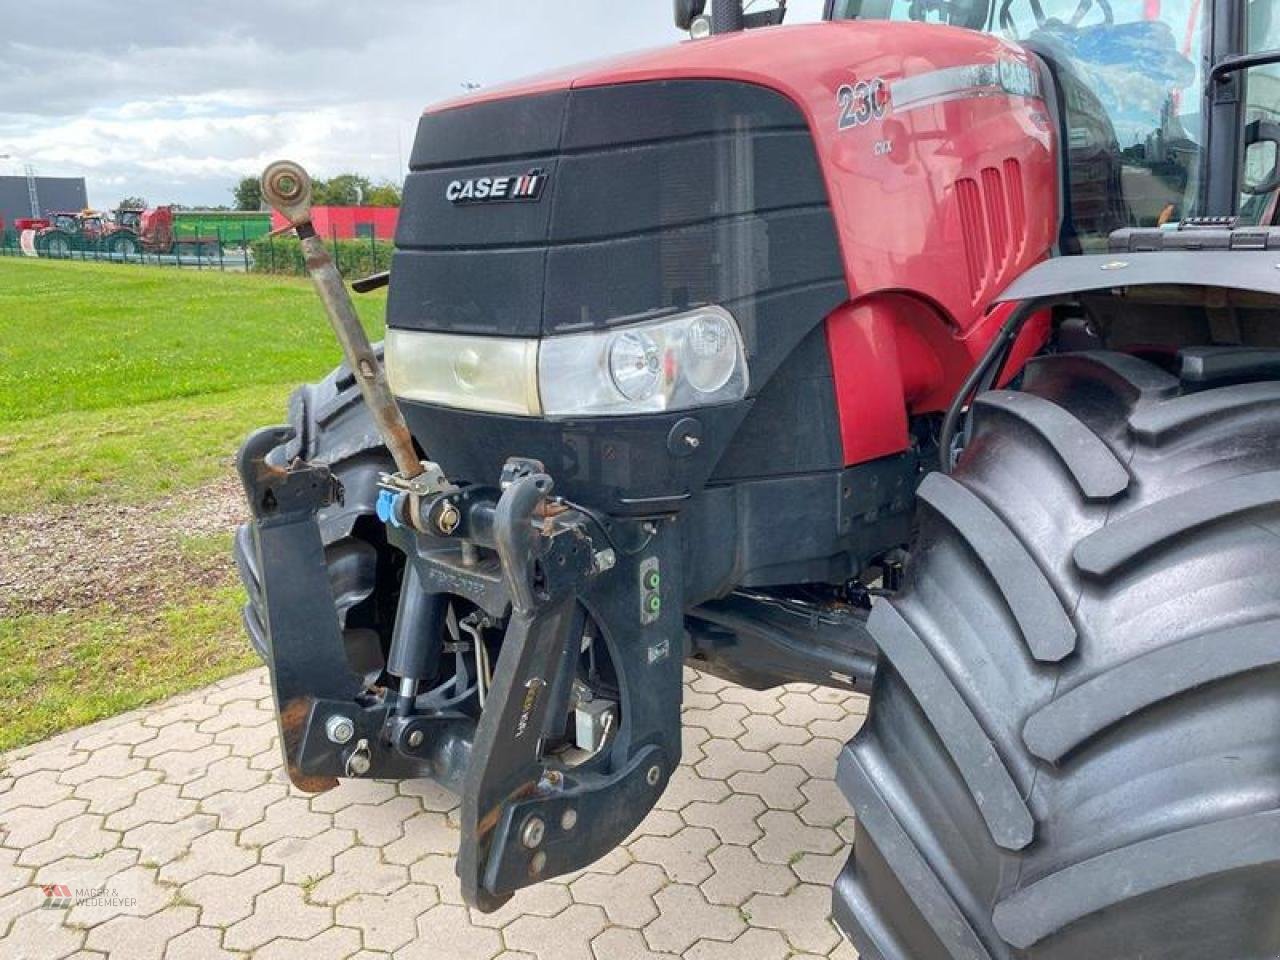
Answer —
355 258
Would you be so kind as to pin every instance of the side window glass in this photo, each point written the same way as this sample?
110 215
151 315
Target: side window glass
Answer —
1131 76
1260 178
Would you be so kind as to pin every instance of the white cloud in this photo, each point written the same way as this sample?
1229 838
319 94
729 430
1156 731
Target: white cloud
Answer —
176 101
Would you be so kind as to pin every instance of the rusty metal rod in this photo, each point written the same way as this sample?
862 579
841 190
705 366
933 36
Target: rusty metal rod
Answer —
287 188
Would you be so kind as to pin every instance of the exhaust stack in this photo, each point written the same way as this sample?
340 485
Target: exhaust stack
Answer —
727 16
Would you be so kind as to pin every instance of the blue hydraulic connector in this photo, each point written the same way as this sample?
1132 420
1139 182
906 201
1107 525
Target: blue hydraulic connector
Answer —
390 507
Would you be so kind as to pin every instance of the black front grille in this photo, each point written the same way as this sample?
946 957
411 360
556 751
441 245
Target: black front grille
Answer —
659 196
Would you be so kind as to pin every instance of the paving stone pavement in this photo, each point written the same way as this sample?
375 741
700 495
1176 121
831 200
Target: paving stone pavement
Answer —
181 819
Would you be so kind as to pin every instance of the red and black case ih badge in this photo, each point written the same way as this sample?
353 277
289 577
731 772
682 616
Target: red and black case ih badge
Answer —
516 188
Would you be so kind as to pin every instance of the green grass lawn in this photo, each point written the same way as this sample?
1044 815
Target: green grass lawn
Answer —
64 670
119 381
124 384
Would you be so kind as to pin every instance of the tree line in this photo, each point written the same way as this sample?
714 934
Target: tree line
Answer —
344 190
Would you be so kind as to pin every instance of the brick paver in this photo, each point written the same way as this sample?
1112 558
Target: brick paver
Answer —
182 818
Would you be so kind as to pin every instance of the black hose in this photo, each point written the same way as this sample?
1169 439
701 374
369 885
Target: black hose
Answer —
990 365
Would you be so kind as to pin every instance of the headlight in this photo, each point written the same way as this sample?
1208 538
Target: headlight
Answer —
711 352
493 374
689 360
635 365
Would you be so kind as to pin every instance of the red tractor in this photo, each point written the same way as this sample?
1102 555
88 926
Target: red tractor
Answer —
931 351
124 234
66 232
154 231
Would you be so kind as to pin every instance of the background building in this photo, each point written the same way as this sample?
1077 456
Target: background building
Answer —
346 223
55 193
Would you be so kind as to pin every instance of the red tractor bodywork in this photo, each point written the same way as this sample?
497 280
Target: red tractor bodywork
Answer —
932 224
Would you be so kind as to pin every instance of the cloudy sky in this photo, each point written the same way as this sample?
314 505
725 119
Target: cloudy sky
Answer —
175 100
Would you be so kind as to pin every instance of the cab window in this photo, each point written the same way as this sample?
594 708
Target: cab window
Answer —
1260 177
1130 75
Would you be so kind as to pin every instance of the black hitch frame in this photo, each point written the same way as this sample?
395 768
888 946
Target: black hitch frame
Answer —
524 559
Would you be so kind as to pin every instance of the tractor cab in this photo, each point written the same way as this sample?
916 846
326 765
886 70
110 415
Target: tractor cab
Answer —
130 218
69 222
93 225
1168 109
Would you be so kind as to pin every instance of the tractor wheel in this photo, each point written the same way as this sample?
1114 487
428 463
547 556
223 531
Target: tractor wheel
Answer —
122 244
332 426
56 244
1073 745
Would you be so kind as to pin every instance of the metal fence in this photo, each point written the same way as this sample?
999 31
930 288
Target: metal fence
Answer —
232 248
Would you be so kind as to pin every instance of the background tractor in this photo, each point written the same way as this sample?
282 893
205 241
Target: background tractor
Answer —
931 352
124 233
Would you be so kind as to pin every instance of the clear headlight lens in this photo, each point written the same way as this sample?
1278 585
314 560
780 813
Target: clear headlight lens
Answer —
711 353
635 366
690 360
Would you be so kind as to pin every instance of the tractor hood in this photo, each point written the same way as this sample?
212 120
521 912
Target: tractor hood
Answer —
595 194
763 175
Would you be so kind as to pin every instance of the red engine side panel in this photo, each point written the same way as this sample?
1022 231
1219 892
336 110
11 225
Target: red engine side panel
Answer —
939 160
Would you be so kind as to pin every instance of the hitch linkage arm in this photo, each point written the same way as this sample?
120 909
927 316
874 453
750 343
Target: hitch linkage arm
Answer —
526 816
527 813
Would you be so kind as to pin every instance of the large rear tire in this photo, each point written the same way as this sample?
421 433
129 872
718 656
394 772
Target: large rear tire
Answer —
1073 747
55 244
122 244
332 426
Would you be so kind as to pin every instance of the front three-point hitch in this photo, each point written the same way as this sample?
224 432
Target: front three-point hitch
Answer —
535 661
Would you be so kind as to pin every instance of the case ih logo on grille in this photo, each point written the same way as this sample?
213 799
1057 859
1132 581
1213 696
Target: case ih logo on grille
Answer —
522 187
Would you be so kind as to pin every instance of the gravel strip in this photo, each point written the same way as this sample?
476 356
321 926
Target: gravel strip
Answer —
67 558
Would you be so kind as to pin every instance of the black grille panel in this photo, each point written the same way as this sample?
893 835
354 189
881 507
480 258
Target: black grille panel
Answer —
660 196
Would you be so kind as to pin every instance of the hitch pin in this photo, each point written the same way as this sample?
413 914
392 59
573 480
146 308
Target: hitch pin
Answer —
287 188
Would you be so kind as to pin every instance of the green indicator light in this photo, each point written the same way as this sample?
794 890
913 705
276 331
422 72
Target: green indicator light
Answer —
651 580
655 604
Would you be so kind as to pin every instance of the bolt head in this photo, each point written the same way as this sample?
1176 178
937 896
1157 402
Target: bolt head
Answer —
359 764
339 729
569 819
415 738
448 519
653 775
539 862
532 833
